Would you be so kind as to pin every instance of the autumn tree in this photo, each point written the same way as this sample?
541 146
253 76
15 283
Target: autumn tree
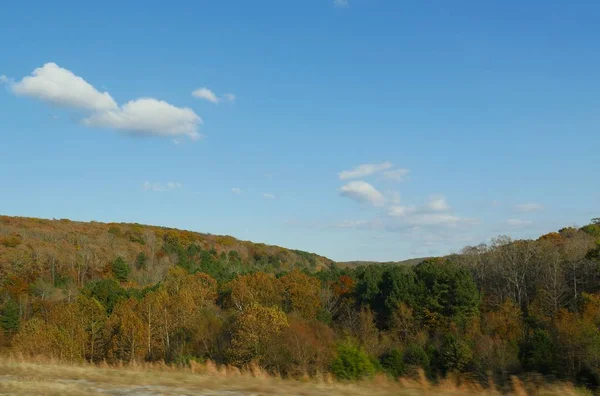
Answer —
255 336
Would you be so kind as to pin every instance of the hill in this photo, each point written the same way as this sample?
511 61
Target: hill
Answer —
83 251
353 264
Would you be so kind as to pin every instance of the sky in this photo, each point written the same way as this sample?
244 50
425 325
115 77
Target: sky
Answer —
357 129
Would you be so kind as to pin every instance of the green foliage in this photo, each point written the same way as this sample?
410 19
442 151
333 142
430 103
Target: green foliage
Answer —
538 352
454 355
351 362
120 269
447 289
140 261
415 356
393 363
107 291
9 317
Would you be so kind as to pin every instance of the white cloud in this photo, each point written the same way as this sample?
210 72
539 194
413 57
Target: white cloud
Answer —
149 116
160 187
399 211
229 97
268 196
236 191
58 86
363 192
438 204
518 222
340 3
3 79
529 207
397 175
364 170
206 94
145 116
434 219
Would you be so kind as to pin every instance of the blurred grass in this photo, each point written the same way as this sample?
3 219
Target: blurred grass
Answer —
20 376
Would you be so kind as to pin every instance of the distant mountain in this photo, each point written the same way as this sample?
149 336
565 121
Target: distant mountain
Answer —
351 264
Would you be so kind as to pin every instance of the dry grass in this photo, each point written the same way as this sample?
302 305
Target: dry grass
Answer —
45 377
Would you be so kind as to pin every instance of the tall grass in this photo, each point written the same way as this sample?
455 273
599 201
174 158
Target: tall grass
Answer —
20 375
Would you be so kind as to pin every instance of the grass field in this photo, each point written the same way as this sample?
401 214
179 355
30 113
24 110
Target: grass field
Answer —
30 377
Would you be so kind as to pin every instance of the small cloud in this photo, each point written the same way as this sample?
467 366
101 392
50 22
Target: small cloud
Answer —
159 187
518 222
268 196
364 170
396 175
236 191
206 94
400 211
363 192
176 141
529 207
148 116
438 204
341 3
54 117
229 97
495 203
3 79
434 219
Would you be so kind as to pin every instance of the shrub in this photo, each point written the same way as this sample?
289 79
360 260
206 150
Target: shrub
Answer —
415 356
393 363
351 362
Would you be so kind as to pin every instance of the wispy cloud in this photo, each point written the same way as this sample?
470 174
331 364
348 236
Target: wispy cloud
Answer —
3 79
438 204
363 192
340 3
529 207
268 196
518 222
236 191
206 94
364 170
61 87
161 187
397 175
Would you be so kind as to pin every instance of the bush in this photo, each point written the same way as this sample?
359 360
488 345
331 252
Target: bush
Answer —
454 355
393 363
415 356
351 362
12 241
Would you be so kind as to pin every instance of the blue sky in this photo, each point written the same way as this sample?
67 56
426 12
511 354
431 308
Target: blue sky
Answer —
358 129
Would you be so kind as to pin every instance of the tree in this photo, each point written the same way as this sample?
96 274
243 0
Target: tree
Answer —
448 292
301 294
127 332
120 269
255 334
140 261
10 317
256 288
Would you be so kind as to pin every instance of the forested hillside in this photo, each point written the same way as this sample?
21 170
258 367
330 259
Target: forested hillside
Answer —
116 292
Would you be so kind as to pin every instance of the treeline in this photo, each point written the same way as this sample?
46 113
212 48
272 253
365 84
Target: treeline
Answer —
495 310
